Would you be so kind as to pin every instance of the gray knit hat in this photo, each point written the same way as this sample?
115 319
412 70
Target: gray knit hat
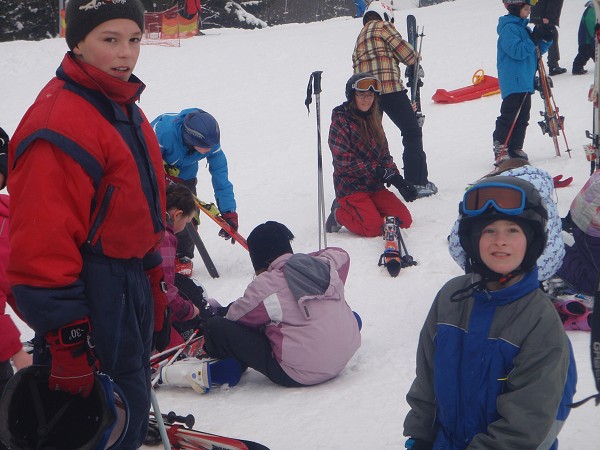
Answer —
83 16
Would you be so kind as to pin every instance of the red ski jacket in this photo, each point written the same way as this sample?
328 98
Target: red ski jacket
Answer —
85 169
10 337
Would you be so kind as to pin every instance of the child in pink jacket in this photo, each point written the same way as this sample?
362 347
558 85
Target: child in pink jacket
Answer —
293 323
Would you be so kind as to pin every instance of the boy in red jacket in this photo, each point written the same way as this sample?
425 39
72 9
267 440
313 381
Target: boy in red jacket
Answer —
87 176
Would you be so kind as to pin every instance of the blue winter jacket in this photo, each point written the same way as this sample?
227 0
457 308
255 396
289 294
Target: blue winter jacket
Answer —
168 129
517 56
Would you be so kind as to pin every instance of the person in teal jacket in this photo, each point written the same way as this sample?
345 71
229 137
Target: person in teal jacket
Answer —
586 40
186 138
517 64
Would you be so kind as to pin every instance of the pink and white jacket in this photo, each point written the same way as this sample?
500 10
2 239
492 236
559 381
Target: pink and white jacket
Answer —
299 302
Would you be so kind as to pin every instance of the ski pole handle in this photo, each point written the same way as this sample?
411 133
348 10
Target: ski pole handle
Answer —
188 420
317 81
314 82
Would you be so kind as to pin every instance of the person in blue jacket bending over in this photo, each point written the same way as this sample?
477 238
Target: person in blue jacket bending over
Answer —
186 138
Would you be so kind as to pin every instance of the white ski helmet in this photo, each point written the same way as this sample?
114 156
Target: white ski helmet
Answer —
383 10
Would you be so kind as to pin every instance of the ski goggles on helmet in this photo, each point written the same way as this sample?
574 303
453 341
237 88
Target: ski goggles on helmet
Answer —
504 198
366 84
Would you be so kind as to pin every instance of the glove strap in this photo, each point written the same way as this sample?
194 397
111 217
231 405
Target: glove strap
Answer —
73 334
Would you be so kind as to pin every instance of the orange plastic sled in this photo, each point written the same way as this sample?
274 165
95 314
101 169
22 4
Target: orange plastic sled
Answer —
483 85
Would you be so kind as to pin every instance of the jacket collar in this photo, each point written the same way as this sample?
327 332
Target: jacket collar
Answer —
119 91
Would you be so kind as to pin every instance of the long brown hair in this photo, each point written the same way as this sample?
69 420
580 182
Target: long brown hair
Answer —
370 122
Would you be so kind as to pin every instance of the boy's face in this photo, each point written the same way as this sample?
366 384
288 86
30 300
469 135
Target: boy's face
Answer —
502 246
525 11
113 47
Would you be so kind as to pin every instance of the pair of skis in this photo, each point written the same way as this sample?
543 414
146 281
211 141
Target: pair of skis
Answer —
414 80
592 150
552 123
395 255
181 436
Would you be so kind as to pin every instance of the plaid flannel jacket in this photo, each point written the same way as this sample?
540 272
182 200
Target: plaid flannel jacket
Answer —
353 162
378 50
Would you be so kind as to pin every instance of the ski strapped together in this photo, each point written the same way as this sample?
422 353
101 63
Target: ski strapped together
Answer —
392 258
415 39
592 150
552 123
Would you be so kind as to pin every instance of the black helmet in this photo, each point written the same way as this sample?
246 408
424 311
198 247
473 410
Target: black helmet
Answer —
502 198
34 417
371 83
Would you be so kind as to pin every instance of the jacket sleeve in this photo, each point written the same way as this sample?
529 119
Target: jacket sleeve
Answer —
180 308
420 420
401 50
534 389
53 193
338 258
253 308
217 166
10 337
512 43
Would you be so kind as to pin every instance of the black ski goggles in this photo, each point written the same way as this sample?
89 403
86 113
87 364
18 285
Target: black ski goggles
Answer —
367 84
503 198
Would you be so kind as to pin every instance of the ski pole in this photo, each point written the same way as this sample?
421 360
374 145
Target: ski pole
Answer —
408 260
417 66
159 420
315 78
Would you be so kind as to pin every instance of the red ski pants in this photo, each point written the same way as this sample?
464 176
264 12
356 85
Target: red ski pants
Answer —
363 212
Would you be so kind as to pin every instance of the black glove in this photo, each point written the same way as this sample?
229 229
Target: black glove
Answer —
543 32
389 177
231 218
567 223
162 337
418 444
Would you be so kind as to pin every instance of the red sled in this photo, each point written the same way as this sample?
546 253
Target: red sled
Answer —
483 85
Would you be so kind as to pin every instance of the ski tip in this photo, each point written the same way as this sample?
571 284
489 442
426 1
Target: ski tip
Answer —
560 182
393 267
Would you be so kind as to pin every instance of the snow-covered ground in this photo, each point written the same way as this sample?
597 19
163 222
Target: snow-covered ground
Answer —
254 83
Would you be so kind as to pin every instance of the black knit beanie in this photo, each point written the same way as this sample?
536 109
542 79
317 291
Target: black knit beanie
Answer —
267 242
83 16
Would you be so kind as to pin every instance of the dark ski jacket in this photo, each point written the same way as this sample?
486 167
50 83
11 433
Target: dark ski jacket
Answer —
494 370
516 56
354 162
586 34
85 170
546 9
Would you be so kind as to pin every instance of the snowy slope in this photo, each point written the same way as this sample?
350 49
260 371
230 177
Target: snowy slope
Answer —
254 83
